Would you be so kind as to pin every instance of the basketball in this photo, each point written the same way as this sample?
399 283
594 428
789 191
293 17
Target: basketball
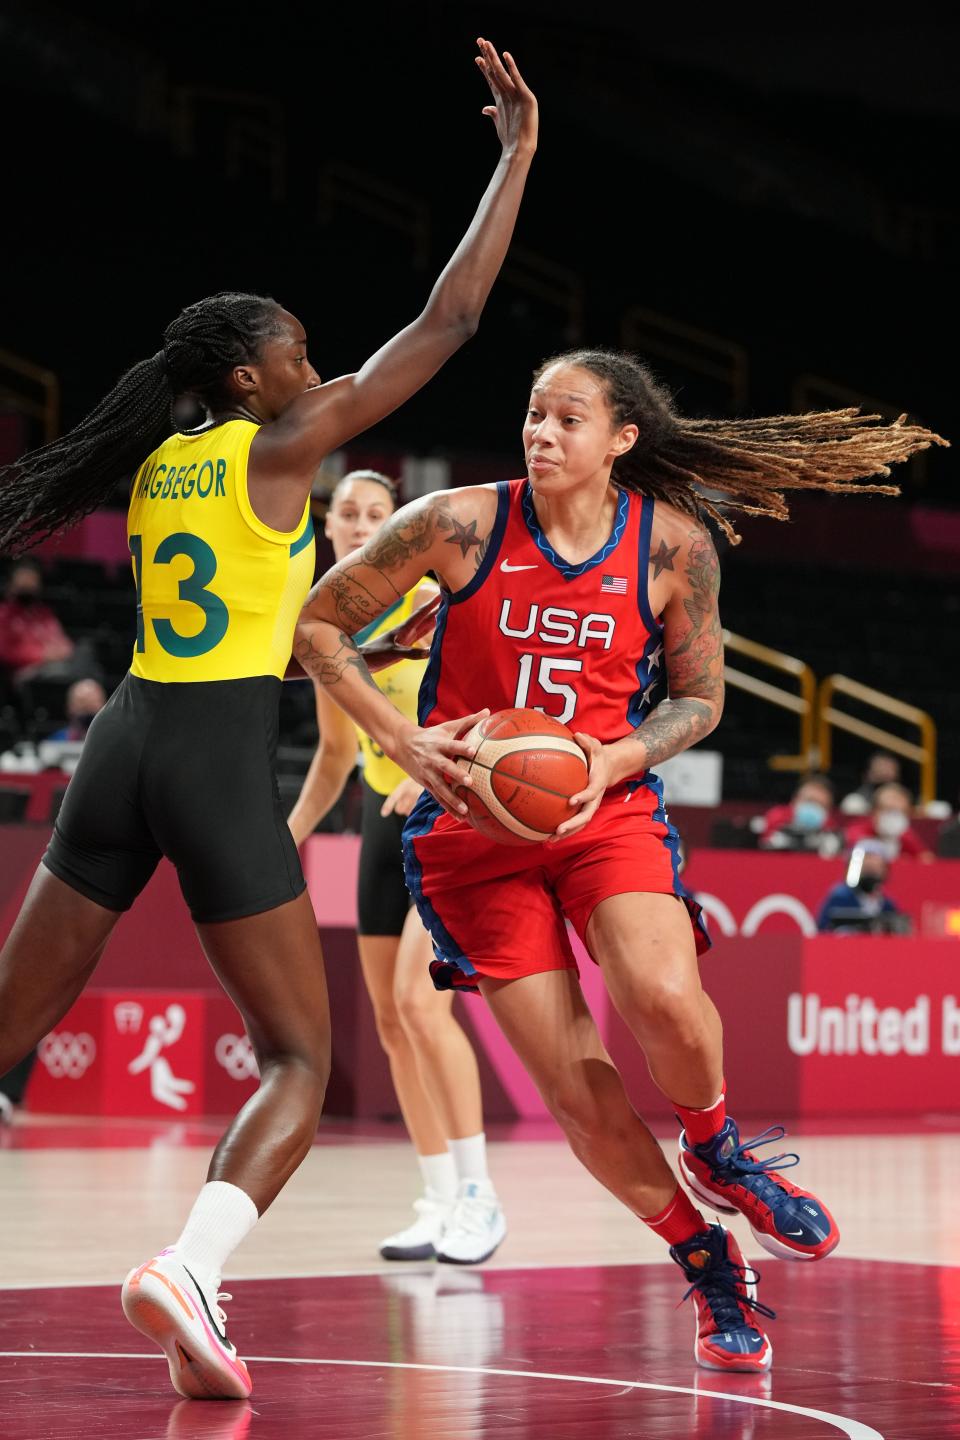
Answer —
526 767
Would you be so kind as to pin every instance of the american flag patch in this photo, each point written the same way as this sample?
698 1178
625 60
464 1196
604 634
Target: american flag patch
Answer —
614 585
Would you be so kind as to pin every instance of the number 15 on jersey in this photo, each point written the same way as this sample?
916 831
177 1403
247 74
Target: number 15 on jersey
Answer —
547 667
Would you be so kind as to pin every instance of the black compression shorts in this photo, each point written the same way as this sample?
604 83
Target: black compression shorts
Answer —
186 771
382 896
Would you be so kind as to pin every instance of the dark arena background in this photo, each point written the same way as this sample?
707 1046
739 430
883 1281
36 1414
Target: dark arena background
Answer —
764 208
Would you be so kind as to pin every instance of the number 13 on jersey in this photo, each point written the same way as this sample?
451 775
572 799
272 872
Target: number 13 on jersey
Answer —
547 667
192 590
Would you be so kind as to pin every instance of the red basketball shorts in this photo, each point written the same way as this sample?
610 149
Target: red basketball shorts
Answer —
501 910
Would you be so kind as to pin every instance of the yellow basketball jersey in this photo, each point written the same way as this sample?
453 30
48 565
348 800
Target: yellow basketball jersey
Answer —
218 591
401 685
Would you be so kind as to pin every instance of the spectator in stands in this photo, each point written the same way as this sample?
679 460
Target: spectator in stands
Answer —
31 636
889 823
85 699
859 903
882 769
806 823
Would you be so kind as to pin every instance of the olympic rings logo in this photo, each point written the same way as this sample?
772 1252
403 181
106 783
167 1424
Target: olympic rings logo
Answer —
67 1056
235 1054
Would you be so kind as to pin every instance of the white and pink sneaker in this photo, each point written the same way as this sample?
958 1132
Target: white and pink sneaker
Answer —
165 1302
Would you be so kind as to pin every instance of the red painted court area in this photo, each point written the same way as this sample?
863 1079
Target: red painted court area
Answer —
863 1349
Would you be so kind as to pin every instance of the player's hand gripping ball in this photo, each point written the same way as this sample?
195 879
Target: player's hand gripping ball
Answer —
525 769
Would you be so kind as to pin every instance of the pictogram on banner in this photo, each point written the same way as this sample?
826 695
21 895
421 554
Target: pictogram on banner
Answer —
128 1016
165 1030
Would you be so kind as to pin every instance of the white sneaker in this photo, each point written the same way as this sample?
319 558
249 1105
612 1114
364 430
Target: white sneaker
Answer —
163 1301
420 1240
475 1228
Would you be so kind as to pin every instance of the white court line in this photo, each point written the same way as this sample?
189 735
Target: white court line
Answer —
855 1429
640 1260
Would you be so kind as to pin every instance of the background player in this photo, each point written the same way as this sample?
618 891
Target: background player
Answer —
433 1067
581 590
180 762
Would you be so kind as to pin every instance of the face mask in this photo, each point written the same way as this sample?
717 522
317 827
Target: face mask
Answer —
83 722
26 597
809 815
869 883
891 823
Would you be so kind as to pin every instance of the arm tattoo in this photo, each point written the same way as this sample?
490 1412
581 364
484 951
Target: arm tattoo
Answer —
675 725
359 590
463 535
663 559
403 536
695 666
329 669
703 573
354 603
482 551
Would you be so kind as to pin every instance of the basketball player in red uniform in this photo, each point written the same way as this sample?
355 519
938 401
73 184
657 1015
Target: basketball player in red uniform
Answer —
589 590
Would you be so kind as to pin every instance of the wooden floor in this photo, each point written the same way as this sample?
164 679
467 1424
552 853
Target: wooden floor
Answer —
572 1330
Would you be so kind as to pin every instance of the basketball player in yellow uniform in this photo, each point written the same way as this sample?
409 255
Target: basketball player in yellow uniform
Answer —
434 1070
180 761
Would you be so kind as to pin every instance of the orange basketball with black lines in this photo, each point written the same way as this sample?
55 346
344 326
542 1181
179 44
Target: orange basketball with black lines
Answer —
525 769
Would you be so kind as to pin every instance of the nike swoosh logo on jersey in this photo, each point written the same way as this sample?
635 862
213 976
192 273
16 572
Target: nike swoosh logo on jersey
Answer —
507 567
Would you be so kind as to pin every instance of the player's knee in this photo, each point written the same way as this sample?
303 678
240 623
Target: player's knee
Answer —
389 1025
418 1016
305 1059
666 1007
573 1106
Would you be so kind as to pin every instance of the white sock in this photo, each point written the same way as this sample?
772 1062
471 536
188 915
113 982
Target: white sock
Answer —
470 1157
221 1217
439 1174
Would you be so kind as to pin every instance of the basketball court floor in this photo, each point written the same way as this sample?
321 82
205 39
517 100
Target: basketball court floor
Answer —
574 1329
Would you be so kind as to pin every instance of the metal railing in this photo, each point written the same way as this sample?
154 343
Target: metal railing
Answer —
830 719
701 351
250 129
802 704
32 390
553 285
345 187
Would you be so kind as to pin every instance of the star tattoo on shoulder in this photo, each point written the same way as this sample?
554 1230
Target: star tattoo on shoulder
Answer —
663 560
464 535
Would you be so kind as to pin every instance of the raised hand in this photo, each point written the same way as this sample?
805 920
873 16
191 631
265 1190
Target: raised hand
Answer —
515 109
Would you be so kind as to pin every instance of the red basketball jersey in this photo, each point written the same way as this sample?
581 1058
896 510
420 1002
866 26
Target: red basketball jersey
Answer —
576 641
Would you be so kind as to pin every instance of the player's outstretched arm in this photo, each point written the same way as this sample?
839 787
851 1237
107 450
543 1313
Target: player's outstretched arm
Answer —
324 418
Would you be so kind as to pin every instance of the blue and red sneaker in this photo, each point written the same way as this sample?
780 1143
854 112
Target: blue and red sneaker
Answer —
724 1292
785 1220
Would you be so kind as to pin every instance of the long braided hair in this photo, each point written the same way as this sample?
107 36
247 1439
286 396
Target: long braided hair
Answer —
54 486
749 462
